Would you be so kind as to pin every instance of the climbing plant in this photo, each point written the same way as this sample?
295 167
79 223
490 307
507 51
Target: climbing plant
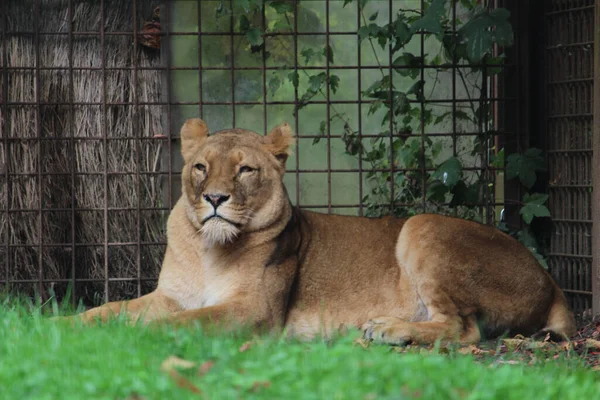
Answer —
431 175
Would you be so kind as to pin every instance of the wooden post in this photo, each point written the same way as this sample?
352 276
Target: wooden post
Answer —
596 169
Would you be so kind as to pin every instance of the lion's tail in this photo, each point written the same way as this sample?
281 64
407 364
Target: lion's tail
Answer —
561 322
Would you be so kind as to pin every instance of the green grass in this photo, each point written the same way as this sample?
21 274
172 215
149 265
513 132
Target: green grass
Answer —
42 359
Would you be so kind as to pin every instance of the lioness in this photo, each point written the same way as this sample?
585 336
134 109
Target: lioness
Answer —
239 251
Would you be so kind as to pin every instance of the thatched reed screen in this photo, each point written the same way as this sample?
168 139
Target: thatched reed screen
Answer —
569 79
93 93
79 159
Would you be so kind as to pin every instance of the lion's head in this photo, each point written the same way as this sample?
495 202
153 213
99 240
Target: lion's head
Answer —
232 179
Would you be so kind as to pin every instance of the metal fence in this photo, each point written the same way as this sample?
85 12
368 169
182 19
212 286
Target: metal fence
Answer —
569 82
94 92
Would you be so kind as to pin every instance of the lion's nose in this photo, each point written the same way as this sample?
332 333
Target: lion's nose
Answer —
216 199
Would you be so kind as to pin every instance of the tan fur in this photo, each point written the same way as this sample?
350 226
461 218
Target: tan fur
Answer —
269 265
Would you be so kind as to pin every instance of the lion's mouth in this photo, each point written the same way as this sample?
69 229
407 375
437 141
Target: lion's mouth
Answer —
217 217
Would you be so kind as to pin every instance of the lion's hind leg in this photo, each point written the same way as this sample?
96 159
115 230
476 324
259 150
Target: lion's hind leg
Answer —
394 331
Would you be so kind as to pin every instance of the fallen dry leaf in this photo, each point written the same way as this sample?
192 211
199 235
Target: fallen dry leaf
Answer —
246 346
567 346
205 367
176 362
513 344
510 362
472 349
256 386
169 366
362 343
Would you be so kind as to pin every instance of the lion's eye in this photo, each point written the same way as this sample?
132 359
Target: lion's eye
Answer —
245 168
200 167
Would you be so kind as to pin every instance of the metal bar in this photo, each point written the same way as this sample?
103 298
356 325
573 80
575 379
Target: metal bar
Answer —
264 70
296 113
570 45
105 144
88 244
232 44
166 23
91 139
578 256
4 123
392 116
89 280
596 169
397 169
72 159
251 103
174 33
135 123
569 11
242 68
422 116
454 119
328 101
359 115
573 291
38 128
200 62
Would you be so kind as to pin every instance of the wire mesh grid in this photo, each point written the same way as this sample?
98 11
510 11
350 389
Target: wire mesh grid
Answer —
569 129
94 93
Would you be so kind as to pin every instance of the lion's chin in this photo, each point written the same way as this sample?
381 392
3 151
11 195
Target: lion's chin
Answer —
217 231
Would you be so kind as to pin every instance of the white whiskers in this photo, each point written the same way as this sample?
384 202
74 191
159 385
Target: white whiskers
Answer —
217 231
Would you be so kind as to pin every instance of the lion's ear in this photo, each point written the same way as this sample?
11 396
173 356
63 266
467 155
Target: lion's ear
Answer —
279 141
193 134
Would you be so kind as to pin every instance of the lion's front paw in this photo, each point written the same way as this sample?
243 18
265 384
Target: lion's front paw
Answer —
386 330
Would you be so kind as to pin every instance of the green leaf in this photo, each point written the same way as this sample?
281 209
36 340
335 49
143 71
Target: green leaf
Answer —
245 4
401 32
274 84
535 198
316 81
281 7
369 31
376 105
401 103
255 36
308 54
529 212
328 53
534 207
485 29
442 117
334 83
436 149
408 60
524 166
374 16
244 23
436 191
499 160
417 90
450 172
432 18
323 127
363 3
346 2
281 25
463 195
294 77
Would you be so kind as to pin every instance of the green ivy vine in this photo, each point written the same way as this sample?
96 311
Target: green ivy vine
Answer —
428 179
